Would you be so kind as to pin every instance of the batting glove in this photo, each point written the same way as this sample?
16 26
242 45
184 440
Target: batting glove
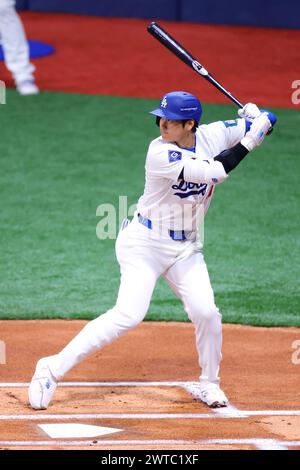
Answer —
272 117
249 112
257 132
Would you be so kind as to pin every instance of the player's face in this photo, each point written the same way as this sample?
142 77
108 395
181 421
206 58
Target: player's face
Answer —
174 131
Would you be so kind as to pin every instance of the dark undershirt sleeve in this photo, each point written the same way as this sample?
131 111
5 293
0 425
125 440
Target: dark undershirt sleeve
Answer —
232 157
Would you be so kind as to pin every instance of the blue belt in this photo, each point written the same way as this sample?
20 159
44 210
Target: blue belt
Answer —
174 234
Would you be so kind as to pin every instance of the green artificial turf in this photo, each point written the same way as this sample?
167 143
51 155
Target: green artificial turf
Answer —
62 155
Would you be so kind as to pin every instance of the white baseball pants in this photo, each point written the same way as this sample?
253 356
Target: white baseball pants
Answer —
14 43
144 257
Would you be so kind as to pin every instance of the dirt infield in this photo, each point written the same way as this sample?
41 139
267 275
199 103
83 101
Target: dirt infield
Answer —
141 387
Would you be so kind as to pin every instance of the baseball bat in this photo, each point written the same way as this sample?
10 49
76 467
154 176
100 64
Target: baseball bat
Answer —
166 40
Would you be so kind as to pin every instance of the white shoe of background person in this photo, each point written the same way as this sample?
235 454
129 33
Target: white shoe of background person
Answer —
42 387
27 88
213 396
16 49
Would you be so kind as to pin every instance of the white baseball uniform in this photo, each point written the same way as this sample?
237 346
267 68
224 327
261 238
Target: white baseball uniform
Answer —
14 43
162 240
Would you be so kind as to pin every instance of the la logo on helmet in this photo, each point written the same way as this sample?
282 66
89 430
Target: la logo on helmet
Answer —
164 102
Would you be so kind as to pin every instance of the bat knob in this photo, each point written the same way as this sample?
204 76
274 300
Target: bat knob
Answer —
151 26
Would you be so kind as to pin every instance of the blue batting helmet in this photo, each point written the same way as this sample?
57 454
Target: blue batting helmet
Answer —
179 105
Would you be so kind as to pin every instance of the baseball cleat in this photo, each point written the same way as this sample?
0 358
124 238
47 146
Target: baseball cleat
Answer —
213 396
27 88
42 386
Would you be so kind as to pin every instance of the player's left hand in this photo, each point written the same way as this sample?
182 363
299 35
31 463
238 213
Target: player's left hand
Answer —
249 112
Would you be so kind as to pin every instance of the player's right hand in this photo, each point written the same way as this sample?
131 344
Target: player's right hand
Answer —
257 132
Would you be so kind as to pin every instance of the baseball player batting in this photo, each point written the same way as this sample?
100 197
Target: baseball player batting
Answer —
183 166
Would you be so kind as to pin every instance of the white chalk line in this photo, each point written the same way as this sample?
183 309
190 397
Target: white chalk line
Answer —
270 444
51 417
101 384
262 444
215 415
191 387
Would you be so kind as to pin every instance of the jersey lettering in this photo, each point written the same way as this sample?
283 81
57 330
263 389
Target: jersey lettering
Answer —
187 189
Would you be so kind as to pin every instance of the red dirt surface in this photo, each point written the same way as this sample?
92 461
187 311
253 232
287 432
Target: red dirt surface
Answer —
257 374
107 56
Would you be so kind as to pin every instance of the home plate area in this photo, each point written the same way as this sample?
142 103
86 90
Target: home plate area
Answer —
145 415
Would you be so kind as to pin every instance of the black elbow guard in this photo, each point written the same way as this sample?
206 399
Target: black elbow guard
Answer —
232 157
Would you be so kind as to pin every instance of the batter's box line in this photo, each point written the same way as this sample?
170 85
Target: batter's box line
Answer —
105 384
259 443
190 387
148 416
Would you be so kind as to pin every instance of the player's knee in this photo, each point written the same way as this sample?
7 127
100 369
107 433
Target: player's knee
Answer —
204 313
210 313
126 319
130 320
109 326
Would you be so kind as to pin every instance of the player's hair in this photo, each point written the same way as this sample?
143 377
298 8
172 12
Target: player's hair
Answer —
183 121
194 128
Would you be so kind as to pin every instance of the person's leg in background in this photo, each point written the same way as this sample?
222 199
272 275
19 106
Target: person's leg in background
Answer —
15 48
